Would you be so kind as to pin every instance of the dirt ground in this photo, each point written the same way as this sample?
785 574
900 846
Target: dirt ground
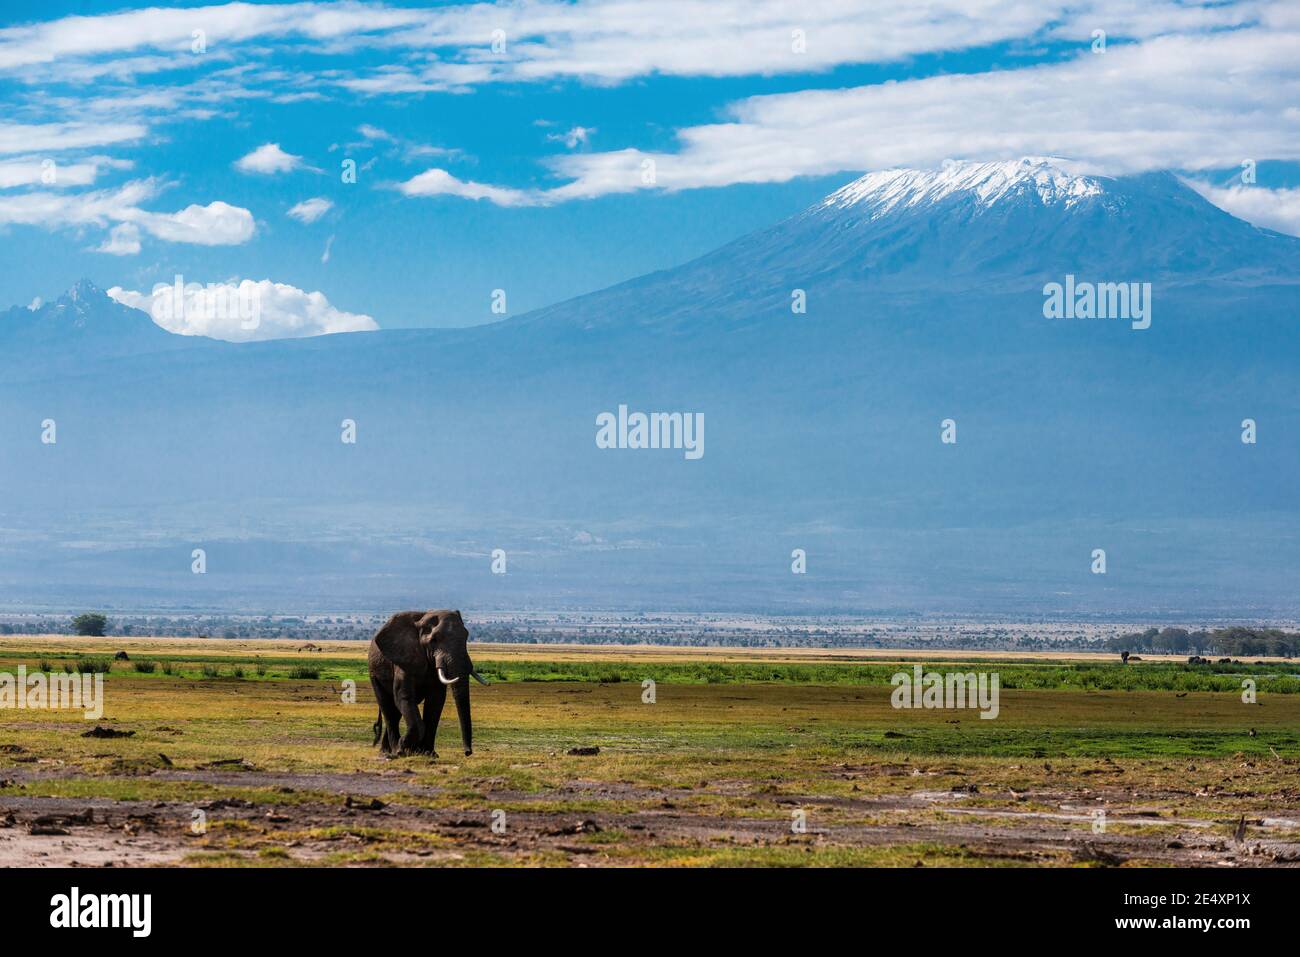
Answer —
940 824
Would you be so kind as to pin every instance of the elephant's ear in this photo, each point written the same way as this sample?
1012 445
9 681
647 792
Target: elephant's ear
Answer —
399 642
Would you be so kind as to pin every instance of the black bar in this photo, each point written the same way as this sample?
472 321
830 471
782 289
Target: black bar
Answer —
306 905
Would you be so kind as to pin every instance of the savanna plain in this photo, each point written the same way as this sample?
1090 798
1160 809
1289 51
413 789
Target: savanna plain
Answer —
254 753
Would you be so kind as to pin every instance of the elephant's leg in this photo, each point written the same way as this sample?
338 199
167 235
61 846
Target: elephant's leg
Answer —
413 740
391 716
389 719
432 712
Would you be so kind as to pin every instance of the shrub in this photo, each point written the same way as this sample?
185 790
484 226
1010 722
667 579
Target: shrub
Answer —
211 671
91 666
44 665
261 669
167 667
238 672
304 673
146 667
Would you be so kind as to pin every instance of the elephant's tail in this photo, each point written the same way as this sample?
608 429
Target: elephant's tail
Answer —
378 728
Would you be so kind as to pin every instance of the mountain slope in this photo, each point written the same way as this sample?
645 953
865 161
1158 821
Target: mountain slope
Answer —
924 295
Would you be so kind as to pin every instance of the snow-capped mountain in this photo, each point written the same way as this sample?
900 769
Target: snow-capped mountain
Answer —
992 228
82 320
922 296
986 183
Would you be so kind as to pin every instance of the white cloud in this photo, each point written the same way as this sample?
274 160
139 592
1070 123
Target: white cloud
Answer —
35 170
244 311
578 136
596 40
1189 103
310 210
55 137
614 42
1277 209
1210 82
395 146
169 30
438 182
416 151
94 208
216 224
123 240
268 159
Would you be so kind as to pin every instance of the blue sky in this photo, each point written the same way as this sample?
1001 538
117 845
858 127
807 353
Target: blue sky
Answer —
522 166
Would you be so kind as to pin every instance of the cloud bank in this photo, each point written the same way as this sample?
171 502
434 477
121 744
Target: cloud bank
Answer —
244 311
1190 85
216 224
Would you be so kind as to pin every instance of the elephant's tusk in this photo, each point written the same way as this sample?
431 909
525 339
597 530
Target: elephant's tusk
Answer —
445 680
479 678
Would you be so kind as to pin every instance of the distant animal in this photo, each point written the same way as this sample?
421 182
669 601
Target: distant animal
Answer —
121 656
1134 657
413 658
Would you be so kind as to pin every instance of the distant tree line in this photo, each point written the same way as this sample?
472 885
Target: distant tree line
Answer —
1243 642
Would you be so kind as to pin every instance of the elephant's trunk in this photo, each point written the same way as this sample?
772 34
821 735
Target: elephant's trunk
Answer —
460 691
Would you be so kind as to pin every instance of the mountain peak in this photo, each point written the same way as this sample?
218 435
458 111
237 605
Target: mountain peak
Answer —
83 291
1046 180
84 314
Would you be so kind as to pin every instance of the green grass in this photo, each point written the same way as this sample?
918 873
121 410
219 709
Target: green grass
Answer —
1080 742
1011 675
1277 678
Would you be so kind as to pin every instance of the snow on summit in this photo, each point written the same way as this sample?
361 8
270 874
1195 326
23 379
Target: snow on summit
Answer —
988 183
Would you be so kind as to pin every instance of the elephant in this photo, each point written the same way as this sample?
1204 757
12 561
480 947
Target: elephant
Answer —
413 658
